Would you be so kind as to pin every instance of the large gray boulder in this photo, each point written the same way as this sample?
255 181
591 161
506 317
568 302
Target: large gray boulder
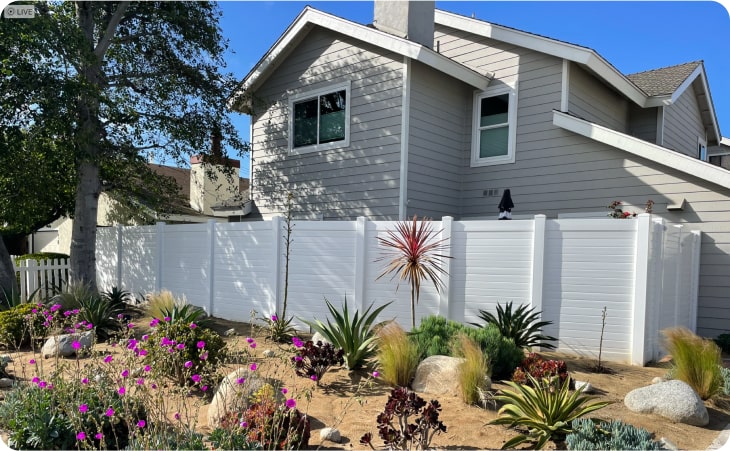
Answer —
62 345
437 375
673 399
235 393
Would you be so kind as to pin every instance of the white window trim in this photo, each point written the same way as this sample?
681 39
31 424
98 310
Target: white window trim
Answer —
295 98
701 143
510 89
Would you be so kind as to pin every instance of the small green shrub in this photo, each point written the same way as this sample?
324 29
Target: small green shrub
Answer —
474 369
544 409
591 435
179 350
354 334
398 356
37 416
723 341
41 256
15 326
696 361
522 325
435 333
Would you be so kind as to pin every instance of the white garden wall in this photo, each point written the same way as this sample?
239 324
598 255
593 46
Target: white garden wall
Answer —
643 270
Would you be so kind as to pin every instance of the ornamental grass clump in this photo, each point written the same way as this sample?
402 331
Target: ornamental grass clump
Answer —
696 361
398 355
543 410
473 371
414 254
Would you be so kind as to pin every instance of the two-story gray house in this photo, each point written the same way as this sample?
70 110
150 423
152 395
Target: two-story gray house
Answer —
432 113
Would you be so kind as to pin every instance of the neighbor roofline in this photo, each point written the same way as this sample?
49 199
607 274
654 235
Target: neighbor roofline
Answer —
644 149
310 16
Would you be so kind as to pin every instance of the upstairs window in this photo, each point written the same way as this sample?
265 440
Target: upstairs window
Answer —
701 149
320 119
494 128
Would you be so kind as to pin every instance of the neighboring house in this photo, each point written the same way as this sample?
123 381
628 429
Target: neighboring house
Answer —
431 113
205 193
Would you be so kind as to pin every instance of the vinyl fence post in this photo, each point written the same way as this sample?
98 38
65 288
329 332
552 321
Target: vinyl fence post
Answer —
276 263
694 280
211 264
538 263
160 235
360 261
445 295
120 250
638 336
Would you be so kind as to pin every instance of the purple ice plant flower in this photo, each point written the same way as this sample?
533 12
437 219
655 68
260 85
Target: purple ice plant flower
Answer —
249 340
291 403
154 322
109 412
253 367
193 325
125 373
180 346
297 342
195 378
274 318
141 424
83 408
81 436
108 358
188 364
240 380
99 436
201 344
167 319
204 355
122 390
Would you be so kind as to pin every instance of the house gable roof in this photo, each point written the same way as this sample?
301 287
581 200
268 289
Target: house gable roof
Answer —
644 149
659 87
311 17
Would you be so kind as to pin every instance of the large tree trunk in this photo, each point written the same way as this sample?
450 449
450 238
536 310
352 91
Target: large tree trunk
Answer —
7 272
83 234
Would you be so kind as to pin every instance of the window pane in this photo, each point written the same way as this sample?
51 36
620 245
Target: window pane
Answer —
305 123
493 142
332 119
494 110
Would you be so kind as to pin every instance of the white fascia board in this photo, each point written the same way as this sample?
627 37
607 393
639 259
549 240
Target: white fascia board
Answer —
401 46
564 50
644 149
725 141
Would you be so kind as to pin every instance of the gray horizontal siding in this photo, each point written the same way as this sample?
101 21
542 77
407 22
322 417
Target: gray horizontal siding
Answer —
438 134
596 102
643 123
341 183
683 124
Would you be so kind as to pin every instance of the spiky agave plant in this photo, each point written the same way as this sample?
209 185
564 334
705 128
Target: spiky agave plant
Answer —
521 325
413 252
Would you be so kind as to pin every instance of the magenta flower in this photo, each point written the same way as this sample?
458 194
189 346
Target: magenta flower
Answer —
125 373
204 355
154 386
253 345
140 381
141 424
142 352
167 319
195 378
253 367
249 340
313 377
244 424
109 412
154 322
76 345
31 361
35 380
240 380
99 436
122 390
188 364
193 325
298 358
43 384
290 403
130 325
83 408
204 388
108 358
85 380
55 307
177 415
180 347
376 374
201 344
145 337
297 342
81 436
147 368
284 391
132 344
274 318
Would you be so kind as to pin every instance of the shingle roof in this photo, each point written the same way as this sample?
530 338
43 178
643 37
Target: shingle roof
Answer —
663 81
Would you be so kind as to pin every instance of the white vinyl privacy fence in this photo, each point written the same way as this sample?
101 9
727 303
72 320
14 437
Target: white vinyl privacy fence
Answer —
643 270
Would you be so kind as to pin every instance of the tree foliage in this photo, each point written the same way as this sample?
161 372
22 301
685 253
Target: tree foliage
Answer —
108 83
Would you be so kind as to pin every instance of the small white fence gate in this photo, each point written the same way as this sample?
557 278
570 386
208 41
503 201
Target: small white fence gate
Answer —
643 270
42 278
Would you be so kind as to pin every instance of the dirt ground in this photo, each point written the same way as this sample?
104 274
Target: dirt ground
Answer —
350 403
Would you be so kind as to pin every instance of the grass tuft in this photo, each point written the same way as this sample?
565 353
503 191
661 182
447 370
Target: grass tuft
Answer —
474 369
697 361
398 355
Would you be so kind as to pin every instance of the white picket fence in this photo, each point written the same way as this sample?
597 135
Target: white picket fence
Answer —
40 279
643 270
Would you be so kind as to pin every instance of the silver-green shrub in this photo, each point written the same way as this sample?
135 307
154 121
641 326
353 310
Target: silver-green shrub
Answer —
614 435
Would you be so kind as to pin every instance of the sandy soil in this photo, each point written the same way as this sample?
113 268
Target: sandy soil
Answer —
347 400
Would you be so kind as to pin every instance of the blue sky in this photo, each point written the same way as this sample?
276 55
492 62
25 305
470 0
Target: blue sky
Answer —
633 36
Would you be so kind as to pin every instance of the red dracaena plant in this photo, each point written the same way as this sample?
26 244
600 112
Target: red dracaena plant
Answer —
413 252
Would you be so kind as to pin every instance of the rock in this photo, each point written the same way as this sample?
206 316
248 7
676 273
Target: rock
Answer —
438 374
269 353
62 345
585 387
672 399
229 333
319 337
6 358
6 382
668 444
658 380
331 434
232 396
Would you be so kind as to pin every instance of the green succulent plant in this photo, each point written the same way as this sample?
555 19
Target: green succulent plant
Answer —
521 325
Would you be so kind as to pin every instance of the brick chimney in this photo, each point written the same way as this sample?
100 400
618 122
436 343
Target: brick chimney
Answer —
411 19
213 179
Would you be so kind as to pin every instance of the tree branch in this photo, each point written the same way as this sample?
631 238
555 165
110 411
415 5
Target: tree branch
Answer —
111 29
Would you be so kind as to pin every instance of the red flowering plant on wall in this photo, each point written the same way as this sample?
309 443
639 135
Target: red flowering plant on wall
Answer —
618 212
539 369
